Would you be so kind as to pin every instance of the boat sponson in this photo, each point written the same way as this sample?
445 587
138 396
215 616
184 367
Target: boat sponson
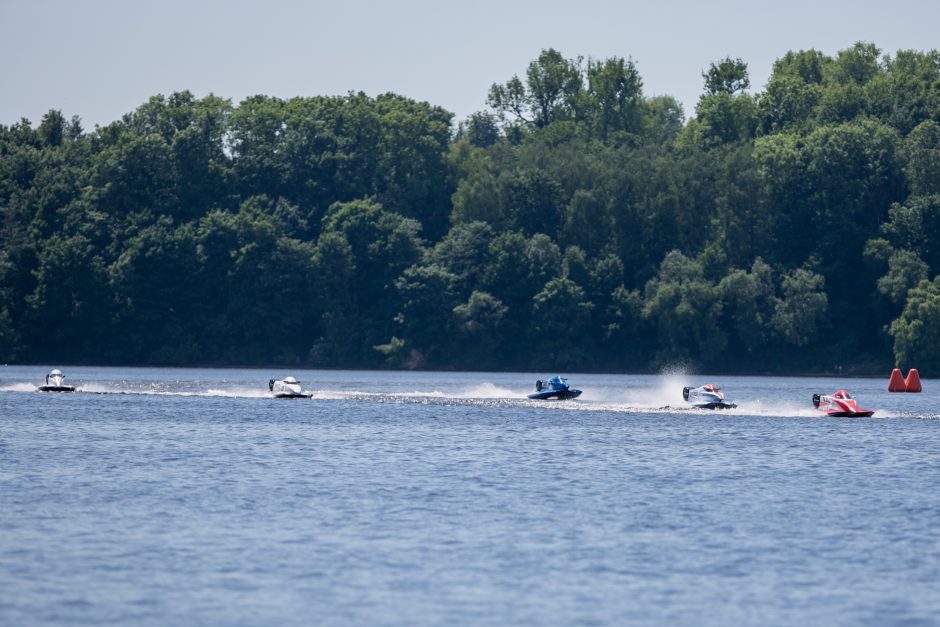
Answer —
561 395
716 405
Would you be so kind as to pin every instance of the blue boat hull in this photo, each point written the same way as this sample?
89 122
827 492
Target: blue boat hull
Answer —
561 395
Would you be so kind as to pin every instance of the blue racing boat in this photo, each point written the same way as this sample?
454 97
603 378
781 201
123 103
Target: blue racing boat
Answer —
555 388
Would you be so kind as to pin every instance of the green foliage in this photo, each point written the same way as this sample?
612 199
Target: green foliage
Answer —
920 158
917 331
480 130
616 93
52 128
574 224
481 315
914 226
727 118
858 64
429 296
798 314
664 120
8 337
68 311
907 92
750 301
561 320
905 270
481 325
551 92
463 252
588 222
381 245
808 66
481 192
788 104
685 308
728 76
535 203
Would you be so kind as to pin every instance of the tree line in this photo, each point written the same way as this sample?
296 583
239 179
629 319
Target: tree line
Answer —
575 223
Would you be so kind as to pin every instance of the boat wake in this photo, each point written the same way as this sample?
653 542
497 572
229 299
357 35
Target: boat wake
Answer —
663 398
156 390
490 391
19 387
483 391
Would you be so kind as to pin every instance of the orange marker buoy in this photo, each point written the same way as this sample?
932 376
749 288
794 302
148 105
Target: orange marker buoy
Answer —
896 383
912 382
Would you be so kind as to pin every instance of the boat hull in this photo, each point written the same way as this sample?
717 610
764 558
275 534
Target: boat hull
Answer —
555 395
293 395
715 405
865 413
56 388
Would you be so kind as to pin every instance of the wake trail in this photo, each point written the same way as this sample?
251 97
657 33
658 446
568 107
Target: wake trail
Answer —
663 398
19 387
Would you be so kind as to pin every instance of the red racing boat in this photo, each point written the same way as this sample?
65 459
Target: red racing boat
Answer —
840 405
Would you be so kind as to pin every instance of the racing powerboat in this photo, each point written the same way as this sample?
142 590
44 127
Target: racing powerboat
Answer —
840 405
709 396
555 388
289 387
55 382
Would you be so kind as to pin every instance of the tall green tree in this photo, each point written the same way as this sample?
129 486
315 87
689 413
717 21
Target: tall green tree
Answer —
616 92
480 326
551 92
429 296
801 310
684 309
728 76
381 245
69 311
917 331
920 158
561 314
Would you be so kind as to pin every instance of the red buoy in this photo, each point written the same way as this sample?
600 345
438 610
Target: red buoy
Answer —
912 382
896 383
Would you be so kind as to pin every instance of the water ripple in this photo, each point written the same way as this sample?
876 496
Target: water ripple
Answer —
405 506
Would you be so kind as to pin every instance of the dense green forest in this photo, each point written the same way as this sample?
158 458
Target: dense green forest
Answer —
574 223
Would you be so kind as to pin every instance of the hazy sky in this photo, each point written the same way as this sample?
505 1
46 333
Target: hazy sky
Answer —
99 59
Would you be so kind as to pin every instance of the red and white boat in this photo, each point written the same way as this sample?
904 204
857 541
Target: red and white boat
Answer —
840 405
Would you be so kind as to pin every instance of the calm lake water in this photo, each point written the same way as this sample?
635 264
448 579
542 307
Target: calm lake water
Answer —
185 496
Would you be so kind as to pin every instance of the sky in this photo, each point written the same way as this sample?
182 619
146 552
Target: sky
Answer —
100 59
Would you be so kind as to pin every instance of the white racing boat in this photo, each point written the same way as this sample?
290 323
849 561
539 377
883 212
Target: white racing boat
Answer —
289 387
709 396
55 382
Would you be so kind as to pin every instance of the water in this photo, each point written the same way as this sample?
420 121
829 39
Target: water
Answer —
172 496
